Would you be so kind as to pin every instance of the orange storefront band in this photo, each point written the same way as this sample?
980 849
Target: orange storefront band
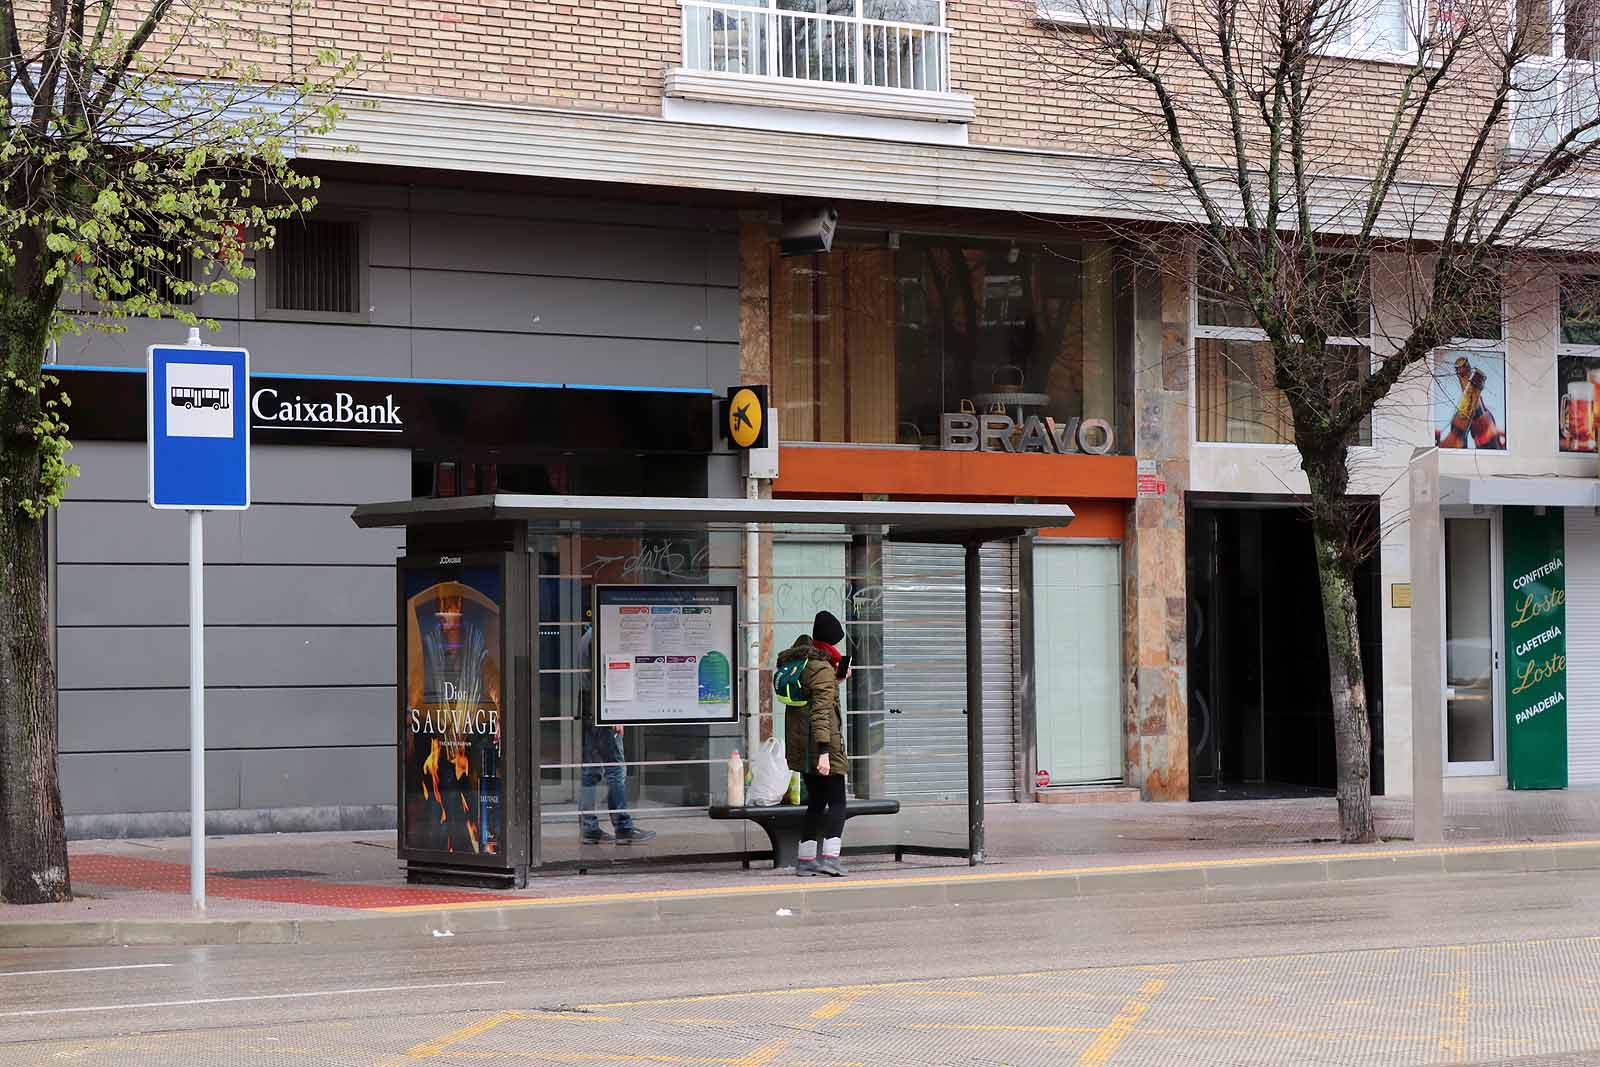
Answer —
1098 488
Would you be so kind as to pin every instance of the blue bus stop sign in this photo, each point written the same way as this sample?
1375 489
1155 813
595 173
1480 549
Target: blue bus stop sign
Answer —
196 410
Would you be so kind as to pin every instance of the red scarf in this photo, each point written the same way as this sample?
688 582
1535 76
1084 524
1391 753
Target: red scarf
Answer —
833 654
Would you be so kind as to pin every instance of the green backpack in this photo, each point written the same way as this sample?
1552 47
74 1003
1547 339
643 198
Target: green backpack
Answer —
787 685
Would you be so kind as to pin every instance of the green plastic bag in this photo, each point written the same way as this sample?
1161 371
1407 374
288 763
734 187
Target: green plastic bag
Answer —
794 788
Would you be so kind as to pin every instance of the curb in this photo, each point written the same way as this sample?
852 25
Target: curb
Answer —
813 899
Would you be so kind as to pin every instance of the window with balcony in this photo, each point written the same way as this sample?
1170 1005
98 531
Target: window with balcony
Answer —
872 344
885 57
1556 88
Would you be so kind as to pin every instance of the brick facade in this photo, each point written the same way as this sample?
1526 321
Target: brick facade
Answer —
1033 85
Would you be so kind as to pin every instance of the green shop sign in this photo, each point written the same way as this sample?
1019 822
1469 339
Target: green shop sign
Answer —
1536 649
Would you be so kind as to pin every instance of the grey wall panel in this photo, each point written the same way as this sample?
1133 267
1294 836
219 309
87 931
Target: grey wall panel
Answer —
285 474
567 249
277 778
722 365
97 348
148 720
389 296
118 657
313 534
363 197
235 596
388 238
116 782
577 360
586 307
321 348
429 199
279 474
109 470
133 532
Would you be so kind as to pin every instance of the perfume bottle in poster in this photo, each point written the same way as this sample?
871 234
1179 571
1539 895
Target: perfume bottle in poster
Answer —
453 731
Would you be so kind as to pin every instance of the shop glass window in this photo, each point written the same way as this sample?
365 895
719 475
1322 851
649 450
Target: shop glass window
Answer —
1237 400
872 345
1577 399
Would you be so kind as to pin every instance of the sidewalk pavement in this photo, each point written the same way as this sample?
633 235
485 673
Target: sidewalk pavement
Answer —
341 887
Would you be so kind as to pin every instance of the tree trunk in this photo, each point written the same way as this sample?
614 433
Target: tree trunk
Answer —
33 840
1337 537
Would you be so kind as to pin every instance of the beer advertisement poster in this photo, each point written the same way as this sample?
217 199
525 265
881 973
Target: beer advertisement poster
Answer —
1469 399
452 730
1576 406
1536 648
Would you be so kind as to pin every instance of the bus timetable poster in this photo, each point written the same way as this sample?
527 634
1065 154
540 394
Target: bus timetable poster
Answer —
666 654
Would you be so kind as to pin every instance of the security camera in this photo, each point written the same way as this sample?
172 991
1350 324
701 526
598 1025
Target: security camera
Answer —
808 230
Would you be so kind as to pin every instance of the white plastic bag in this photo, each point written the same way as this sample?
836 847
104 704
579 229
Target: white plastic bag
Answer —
770 774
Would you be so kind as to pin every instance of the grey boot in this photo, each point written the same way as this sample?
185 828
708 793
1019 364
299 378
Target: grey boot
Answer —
807 868
831 866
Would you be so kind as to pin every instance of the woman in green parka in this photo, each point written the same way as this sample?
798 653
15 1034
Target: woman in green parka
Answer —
815 746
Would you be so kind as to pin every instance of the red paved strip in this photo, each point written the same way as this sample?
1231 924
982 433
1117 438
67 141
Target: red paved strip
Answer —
131 872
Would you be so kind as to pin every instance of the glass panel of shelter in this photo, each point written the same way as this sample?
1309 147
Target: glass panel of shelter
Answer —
673 773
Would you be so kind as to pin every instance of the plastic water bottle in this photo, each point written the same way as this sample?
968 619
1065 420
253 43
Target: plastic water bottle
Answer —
735 780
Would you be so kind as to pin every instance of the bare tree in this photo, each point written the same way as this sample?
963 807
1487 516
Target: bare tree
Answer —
144 151
1299 139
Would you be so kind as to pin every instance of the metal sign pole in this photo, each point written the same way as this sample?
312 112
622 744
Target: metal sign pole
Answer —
198 456
197 711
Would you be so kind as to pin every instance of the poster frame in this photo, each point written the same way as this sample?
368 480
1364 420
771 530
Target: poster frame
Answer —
725 595
514 853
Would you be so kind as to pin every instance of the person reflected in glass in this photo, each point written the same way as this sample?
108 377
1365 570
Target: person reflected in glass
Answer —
814 744
602 758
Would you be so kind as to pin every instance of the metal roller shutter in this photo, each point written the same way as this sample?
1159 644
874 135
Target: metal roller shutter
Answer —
1583 647
925 658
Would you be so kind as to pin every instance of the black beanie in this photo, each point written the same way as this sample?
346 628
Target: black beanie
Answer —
825 628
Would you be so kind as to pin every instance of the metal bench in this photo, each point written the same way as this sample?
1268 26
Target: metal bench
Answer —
782 824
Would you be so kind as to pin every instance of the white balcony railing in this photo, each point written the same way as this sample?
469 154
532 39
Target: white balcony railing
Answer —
1553 97
753 38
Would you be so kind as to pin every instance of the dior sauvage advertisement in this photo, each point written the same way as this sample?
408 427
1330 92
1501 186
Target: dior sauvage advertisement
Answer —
452 730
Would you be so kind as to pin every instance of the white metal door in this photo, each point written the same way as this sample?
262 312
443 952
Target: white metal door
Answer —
925 677
1583 647
1471 571
1077 661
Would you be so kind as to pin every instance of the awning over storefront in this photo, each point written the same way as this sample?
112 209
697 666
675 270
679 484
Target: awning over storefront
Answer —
903 520
1544 490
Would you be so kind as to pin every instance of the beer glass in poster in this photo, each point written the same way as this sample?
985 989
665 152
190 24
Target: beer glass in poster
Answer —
453 751
1577 382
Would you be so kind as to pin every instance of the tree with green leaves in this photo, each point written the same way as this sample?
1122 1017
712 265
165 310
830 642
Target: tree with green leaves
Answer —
1286 147
145 153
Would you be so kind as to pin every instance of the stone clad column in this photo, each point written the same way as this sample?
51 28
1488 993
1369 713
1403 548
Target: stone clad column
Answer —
1155 611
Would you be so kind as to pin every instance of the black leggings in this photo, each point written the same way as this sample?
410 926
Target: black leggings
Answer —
824 807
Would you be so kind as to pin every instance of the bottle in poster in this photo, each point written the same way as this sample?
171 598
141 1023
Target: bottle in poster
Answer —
716 679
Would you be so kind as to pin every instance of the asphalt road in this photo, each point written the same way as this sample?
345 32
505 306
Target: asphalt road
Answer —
1487 969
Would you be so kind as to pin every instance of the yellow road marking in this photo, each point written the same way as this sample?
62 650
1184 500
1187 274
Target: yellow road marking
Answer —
836 1007
465 1033
1455 1038
863 884
1117 1031
439 1045
1003 1028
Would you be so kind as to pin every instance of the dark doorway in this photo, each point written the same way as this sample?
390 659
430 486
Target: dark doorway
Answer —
1260 717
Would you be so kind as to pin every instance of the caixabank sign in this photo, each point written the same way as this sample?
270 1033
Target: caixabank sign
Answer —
107 405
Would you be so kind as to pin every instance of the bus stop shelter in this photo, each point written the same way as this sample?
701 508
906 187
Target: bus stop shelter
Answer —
511 609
